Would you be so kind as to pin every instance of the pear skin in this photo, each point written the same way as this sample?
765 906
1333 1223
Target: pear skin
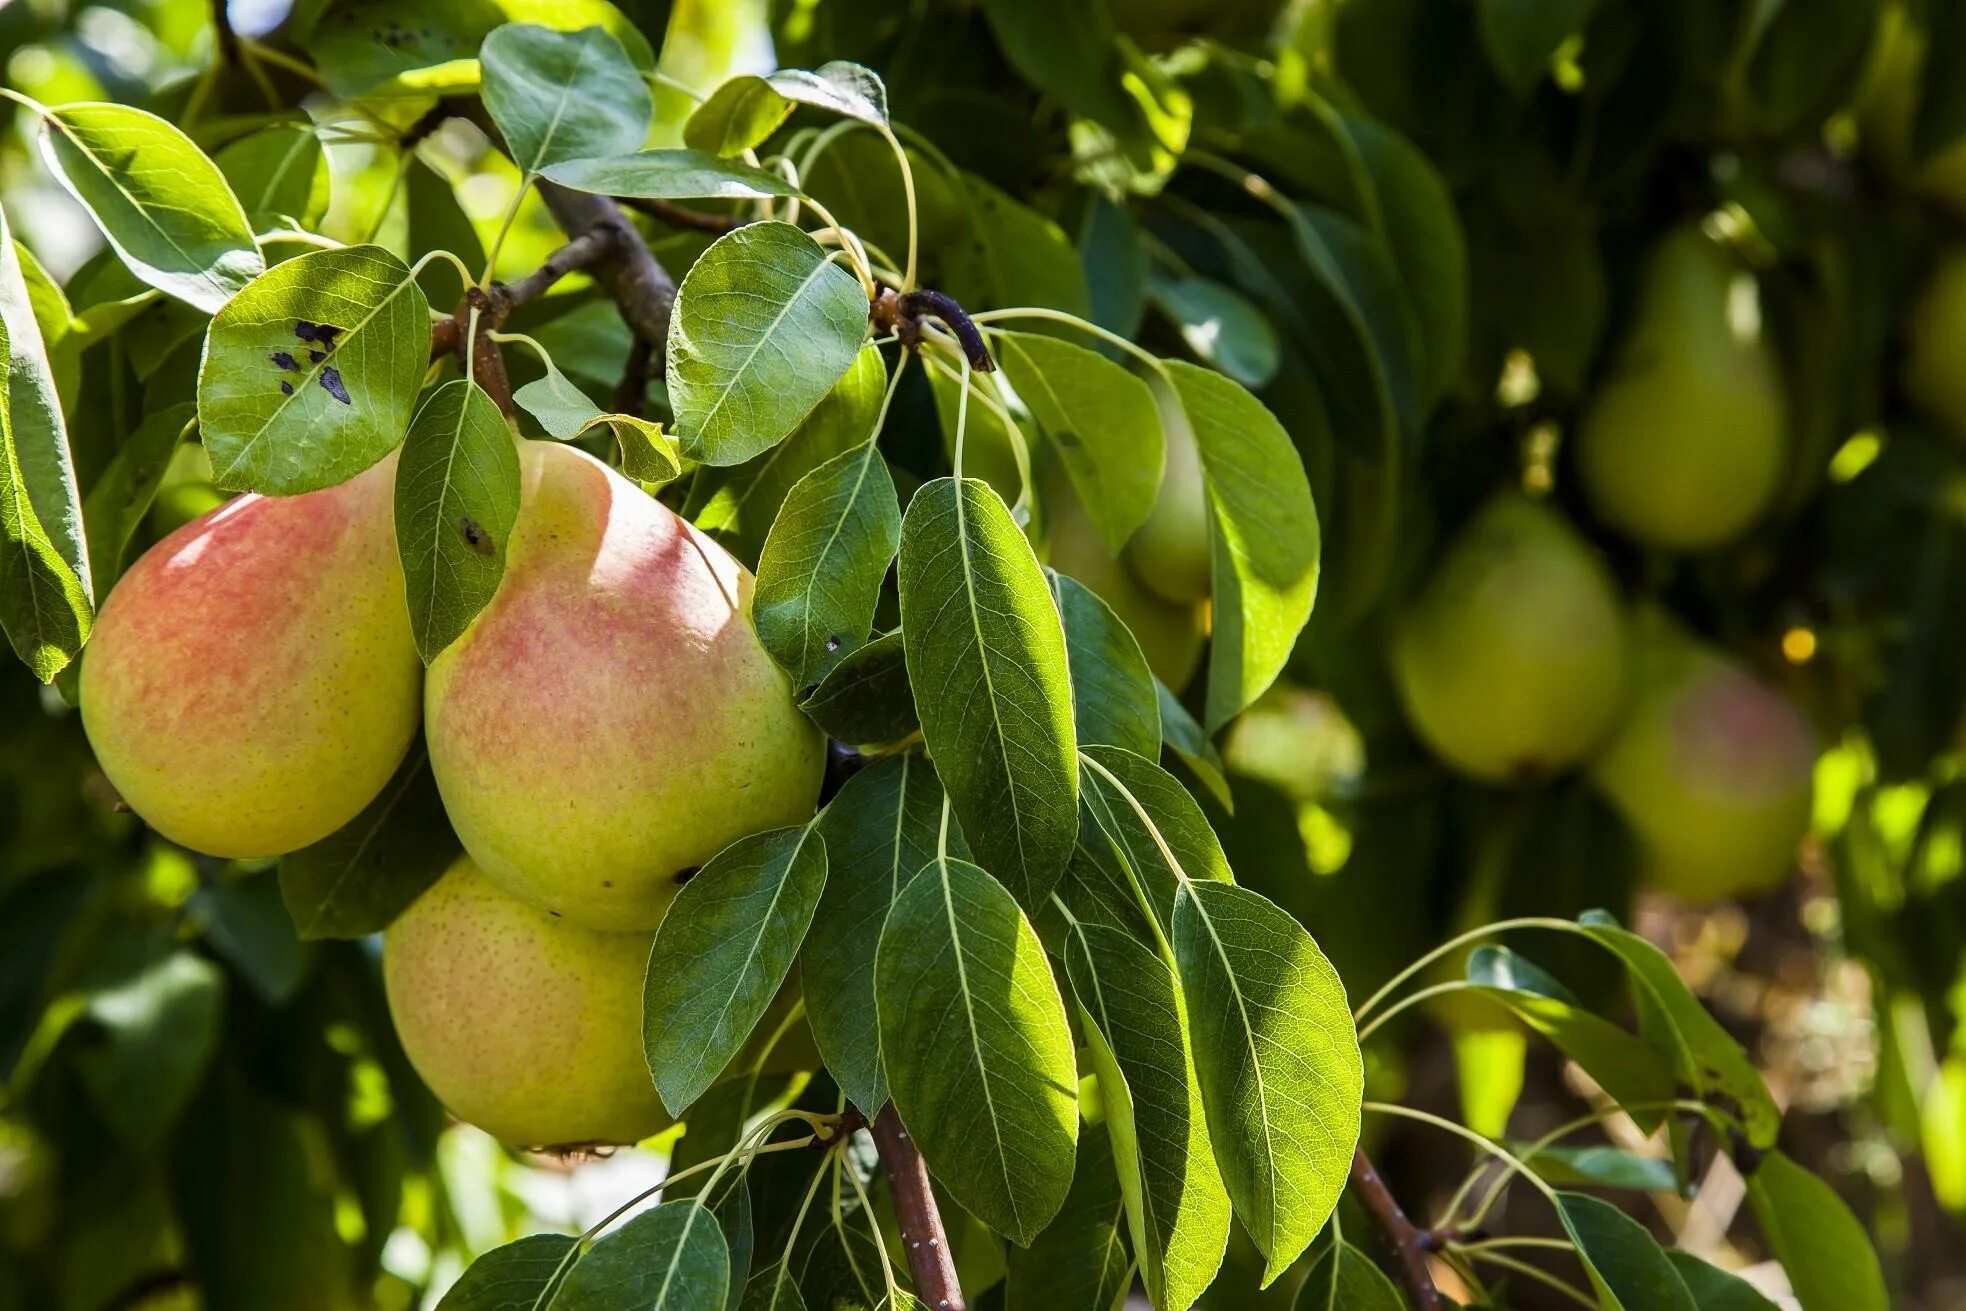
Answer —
1711 767
252 682
1685 442
523 1024
610 720
1511 660
1170 552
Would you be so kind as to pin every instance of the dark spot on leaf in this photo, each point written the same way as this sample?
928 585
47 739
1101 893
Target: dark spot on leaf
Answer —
322 334
832 641
685 875
331 384
286 389
285 361
475 535
1066 437
315 357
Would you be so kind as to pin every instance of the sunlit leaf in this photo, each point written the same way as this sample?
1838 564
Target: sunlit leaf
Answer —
515 1277
1825 1250
866 700
671 1258
457 499
560 96
1625 1263
668 174
1113 697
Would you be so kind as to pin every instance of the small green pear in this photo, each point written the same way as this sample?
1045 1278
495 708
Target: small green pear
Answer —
611 720
1711 767
1685 442
252 682
522 1023
1170 552
1511 659
1935 344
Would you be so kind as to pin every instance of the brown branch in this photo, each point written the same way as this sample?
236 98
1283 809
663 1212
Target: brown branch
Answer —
922 1232
642 289
584 251
1410 1243
682 216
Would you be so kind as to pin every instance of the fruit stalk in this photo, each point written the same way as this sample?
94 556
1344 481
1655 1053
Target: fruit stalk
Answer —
922 1233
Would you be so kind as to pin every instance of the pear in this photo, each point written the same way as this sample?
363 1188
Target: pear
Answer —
1935 344
1510 661
1684 443
522 1023
252 683
1170 551
610 720
1711 767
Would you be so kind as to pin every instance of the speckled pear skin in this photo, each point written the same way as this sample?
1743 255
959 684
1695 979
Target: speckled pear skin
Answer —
252 683
611 720
525 1025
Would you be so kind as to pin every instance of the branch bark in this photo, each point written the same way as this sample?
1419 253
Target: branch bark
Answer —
641 287
1408 1242
681 216
922 1232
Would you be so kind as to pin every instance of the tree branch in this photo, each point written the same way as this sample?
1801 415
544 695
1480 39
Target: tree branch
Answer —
642 288
927 1241
584 251
681 216
1410 1243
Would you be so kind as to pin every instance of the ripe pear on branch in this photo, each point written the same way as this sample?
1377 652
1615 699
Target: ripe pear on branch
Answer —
252 682
610 721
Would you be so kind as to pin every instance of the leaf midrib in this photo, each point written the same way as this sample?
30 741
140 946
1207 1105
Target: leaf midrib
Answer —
738 375
976 1043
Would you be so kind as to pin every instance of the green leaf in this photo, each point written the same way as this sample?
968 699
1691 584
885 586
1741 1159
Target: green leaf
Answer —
159 1018
670 174
1830 1262
880 831
1219 324
1191 746
739 115
1521 36
1714 1289
61 338
1344 1279
245 922
648 454
986 659
1113 697
844 87
1071 52
1602 1167
671 1258
163 206
122 495
1279 1062
1136 1023
721 954
764 325
438 222
742 502
733 1216
866 700
516 1277
562 95
280 176
1013 255
278 420
989 1090
562 409
1264 540
1151 825
364 48
820 575
1080 1261
1707 1059
457 499
1626 1265
772 1289
1101 419
358 879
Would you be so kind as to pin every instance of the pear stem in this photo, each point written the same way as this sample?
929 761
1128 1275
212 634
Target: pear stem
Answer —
922 1233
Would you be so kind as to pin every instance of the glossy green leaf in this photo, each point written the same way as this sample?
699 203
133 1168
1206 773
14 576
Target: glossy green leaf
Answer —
1714 1289
365 47
1012 255
1278 1058
1101 420
1220 325
764 325
739 115
844 87
989 1091
819 577
671 1258
1264 540
1113 697
1828 1255
1080 1261
560 96
280 176
310 374
721 954
866 700
986 658
1136 1024
358 879
1151 825
157 1011
734 1219
774 1288
61 335
881 829
516 1277
438 222
1191 746
1599 1167
163 206
1625 1263
1345 1279
123 494
648 454
670 174
457 499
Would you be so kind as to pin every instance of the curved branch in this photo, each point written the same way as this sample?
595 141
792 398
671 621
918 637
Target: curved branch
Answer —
1407 1241
922 1232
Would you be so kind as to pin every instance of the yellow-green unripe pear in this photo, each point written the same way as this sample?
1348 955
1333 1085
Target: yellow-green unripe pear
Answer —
1711 767
1935 344
610 720
1170 551
523 1024
1685 441
1511 660
252 683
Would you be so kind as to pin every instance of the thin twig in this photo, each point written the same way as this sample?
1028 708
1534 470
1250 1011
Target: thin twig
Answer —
922 1232
641 287
1407 1241
584 251
682 216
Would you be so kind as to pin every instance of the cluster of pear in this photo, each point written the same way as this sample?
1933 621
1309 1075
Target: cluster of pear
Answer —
603 727
1518 658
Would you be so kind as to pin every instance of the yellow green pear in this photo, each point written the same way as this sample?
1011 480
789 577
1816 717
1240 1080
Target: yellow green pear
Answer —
1511 659
252 683
1935 344
610 720
522 1023
1170 551
1684 444
1711 767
